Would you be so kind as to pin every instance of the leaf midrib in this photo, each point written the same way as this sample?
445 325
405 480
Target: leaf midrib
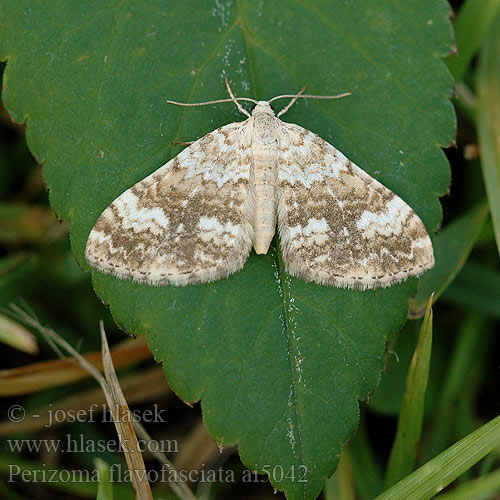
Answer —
291 354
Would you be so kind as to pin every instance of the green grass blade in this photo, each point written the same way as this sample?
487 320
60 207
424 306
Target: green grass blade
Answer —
404 450
366 468
341 485
488 84
16 335
452 247
471 27
439 472
478 489
105 487
463 357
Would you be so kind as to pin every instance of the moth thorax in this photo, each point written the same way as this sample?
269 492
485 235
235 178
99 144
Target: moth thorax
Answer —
264 127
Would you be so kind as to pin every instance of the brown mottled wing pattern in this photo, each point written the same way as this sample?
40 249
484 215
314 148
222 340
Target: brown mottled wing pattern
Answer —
339 226
188 222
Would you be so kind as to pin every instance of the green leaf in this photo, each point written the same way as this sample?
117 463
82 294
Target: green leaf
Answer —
404 450
488 116
442 470
279 364
471 27
452 247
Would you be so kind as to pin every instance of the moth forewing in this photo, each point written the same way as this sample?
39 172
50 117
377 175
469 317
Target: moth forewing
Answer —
338 225
188 222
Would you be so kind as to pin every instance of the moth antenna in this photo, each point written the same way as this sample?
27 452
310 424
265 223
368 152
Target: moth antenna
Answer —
295 97
217 101
305 96
212 102
240 107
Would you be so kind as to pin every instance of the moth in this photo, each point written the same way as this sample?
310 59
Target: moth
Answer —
196 218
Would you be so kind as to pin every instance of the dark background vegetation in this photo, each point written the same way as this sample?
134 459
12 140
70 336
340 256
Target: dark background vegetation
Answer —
38 269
